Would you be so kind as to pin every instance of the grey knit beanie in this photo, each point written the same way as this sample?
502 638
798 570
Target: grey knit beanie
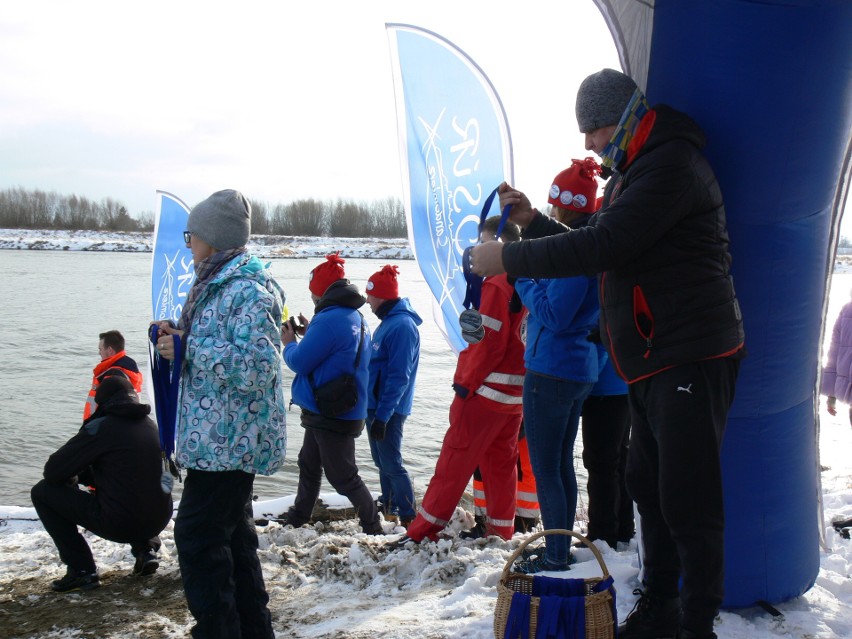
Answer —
223 220
602 98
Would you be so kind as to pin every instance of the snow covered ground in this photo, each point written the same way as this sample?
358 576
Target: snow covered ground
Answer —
261 245
331 580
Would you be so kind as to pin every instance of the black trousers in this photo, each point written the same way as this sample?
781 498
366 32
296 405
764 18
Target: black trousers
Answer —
606 437
217 550
63 507
334 453
673 474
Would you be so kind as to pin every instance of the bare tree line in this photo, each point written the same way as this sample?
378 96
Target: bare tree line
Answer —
36 209
22 208
338 218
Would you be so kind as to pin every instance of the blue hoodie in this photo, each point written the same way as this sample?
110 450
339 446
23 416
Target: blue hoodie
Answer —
562 312
393 365
328 348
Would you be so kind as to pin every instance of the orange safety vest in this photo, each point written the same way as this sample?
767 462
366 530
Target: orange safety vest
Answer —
118 362
527 497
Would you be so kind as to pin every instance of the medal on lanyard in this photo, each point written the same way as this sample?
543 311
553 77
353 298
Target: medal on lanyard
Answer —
470 319
472 329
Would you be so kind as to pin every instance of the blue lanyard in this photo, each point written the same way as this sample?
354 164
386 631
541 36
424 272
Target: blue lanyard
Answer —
473 292
165 376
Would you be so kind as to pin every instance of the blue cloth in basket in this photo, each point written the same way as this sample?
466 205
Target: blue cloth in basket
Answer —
561 611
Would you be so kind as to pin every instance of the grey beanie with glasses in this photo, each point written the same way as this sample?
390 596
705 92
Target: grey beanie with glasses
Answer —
223 220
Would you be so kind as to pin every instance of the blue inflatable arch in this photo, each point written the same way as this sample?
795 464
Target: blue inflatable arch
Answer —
770 82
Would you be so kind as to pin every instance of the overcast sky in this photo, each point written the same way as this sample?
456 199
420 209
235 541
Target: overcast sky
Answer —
280 100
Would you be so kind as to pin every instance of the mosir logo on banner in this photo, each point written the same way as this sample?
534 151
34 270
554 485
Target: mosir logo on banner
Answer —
455 147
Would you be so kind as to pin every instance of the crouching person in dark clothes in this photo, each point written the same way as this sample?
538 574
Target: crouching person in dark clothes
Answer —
336 343
117 451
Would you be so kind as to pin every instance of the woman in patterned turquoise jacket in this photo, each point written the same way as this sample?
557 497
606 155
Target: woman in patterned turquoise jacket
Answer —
231 418
232 410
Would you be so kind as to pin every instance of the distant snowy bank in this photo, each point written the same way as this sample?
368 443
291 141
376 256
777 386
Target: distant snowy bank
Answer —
267 246
261 245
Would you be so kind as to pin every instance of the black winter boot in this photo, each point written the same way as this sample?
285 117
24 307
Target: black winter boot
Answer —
653 617
146 563
479 530
525 524
76 580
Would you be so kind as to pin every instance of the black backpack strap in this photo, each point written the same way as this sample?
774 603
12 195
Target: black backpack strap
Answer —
357 353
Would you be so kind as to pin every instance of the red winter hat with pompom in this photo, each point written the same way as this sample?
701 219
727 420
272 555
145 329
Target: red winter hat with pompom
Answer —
576 188
383 284
327 274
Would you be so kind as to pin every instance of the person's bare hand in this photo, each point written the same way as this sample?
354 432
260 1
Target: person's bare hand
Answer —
288 335
487 259
165 341
831 406
522 212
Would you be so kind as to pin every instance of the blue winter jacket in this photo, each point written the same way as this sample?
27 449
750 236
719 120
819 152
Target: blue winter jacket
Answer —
609 382
232 412
328 348
393 364
562 312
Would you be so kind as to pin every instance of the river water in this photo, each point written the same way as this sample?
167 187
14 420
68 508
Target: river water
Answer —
55 303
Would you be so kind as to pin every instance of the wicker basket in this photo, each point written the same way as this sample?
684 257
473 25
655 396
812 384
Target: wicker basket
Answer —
600 621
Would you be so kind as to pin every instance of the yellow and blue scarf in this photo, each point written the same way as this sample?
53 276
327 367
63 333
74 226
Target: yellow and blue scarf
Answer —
616 149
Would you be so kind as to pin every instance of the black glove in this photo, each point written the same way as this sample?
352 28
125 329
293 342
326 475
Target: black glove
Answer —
377 430
460 390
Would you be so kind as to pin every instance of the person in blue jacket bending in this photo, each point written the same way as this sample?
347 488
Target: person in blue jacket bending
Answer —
393 369
336 342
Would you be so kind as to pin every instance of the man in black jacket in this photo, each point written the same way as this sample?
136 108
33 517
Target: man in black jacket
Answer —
672 326
117 452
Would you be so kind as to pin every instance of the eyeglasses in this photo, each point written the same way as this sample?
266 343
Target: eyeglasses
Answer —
187 236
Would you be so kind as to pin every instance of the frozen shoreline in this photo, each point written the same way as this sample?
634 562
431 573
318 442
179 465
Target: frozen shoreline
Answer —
266 246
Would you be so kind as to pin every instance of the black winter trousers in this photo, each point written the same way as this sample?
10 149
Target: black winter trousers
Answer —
63 507
673 474
217 550
334 453
606 437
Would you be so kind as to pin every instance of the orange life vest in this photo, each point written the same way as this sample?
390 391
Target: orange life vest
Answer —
119 364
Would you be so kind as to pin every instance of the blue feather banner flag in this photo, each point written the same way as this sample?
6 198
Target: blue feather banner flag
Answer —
455 148
172 275
172 270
